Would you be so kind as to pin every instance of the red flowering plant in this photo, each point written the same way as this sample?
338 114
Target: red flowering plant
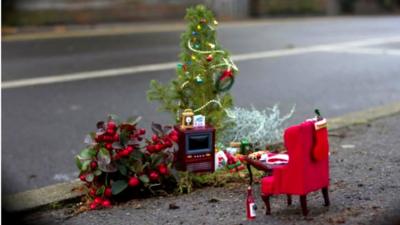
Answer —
119 159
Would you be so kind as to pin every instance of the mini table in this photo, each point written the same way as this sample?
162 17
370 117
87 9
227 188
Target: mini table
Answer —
267 168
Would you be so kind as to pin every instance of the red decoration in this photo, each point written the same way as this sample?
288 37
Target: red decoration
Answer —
250 205
209 58
302 174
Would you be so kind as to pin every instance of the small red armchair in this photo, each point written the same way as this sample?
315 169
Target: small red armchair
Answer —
307 169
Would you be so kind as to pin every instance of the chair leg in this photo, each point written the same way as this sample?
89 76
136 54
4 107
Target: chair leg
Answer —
326 196
265 198
303 203
289 200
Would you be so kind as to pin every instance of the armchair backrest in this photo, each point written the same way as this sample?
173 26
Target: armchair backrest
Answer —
303 173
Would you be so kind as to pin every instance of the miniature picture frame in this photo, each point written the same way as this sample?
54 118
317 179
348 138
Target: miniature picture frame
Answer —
199 121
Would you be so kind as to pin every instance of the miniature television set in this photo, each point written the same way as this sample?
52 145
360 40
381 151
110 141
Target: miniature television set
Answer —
196 149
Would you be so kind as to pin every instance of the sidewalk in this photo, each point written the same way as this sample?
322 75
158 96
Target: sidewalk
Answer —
365 187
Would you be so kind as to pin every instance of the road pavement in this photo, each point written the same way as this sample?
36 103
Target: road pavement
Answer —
339 65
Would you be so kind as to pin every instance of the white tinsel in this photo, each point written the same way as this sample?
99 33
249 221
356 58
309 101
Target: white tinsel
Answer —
257 126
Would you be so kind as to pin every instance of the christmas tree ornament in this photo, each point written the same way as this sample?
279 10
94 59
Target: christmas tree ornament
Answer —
179 66
203 20
215 22
198 27
199 80
209 58
194 33
199 121
211 45
225 81
187 119
197 46
193 57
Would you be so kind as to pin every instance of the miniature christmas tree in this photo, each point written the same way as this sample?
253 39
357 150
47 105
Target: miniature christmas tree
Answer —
204 76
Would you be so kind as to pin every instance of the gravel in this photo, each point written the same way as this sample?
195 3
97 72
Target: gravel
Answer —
365 189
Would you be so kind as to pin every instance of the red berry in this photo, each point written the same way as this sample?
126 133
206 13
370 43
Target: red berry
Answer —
174 138
111 125
153 176
168 143
92 192
133 182
108 192
154 138
82 177
163 169
106 204
110 131
139 138
93 206
124 153
150 148
98 200
159 147
116 137
142 131
109 146
173 132
93 165
99 138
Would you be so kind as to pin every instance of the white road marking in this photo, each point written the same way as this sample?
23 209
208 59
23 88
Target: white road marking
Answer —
368 51
171 65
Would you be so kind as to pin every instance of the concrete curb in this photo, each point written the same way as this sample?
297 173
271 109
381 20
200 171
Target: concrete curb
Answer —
40 197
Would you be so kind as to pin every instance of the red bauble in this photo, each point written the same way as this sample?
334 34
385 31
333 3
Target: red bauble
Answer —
106 204
209 58
153 176
93 165
226 73
108 192
133 182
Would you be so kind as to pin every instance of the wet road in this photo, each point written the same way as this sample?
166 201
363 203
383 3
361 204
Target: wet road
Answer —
43 126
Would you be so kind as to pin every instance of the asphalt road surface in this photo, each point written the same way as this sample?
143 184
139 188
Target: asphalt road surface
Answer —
339 65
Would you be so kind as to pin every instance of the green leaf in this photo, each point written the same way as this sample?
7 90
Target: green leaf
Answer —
156 159
108 168
97 172
123 170
85 165
134 120
87 153
118 186
78 163
104 156
100 191
89 177
136 166
144 178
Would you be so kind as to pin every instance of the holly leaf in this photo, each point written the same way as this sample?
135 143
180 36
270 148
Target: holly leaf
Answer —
100 191
87 153
108 168
136 166
167 129
97 172
156 159
157 129
123 170
116 145
134 120
115 118
78 163
85 165
118 186
144 178
136 154
104 156
89 177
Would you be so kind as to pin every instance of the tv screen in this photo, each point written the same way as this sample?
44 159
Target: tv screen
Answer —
198 142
